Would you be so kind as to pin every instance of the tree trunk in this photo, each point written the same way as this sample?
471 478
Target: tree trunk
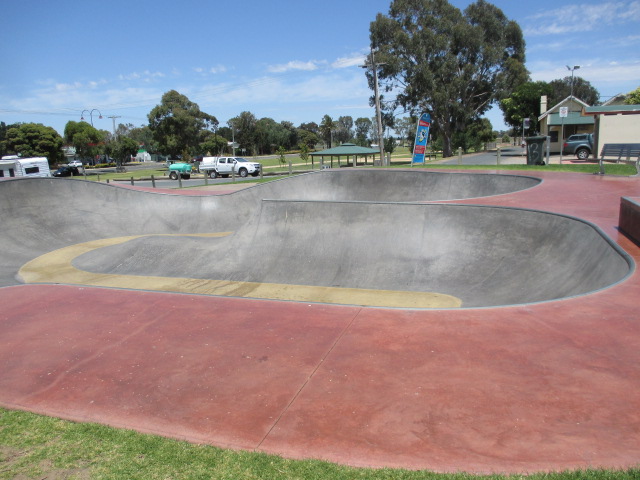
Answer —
447 136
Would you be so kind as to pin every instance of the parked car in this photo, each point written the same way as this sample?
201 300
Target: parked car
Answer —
75 163
580 144
225 166
66 171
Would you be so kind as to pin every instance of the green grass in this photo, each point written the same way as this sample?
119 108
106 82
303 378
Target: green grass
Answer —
401 157
35 446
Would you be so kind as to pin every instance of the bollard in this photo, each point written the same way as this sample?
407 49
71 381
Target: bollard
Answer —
498 156
206 178
233 174
131 180
290 168
107 180
459 155
261 177
179 180
153 181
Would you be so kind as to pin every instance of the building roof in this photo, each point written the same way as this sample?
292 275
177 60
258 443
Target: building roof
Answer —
612 110
573 118
566 102
346 149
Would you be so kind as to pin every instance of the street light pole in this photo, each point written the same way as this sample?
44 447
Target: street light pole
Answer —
575 67
90 115
374 66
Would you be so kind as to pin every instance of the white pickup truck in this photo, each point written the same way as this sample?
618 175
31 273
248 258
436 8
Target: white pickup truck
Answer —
225 166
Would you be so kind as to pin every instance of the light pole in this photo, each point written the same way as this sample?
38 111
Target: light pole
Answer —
90 115
575 67
374 66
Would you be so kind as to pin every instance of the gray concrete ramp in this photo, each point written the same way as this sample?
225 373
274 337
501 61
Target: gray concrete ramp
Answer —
485 256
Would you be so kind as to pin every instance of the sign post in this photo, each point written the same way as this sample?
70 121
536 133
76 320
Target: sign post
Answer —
564 113
422 137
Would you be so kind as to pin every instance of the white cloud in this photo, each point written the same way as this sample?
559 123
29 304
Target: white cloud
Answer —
582 17
353 60
146 76
295 65
218 69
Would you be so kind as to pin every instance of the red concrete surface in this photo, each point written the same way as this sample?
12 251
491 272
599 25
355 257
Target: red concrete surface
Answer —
548 386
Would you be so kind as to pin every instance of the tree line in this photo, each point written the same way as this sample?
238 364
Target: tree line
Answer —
178 128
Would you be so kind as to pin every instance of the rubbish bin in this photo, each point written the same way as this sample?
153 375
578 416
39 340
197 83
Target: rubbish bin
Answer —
535 150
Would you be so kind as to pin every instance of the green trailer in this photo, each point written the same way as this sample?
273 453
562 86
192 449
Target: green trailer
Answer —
182 169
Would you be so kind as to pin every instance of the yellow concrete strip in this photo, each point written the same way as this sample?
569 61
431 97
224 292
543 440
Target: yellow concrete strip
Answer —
56 267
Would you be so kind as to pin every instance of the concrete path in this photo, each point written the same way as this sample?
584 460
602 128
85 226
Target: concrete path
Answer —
545 386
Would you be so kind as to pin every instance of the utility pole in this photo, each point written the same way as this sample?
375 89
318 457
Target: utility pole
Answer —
374 66
113 117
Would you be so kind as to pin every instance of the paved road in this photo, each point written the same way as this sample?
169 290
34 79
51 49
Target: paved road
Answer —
508 156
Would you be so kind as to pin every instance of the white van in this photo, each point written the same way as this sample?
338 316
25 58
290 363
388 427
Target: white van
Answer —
14 166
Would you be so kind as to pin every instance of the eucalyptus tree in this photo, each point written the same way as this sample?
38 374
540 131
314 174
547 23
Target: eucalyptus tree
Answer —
177 123
292 135
561 88
308 139
633 97
344 130
452 64
523 103
406 128
327 127
363 126
244 130
87 140
270 135
34 140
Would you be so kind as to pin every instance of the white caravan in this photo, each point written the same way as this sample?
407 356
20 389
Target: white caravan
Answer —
13 166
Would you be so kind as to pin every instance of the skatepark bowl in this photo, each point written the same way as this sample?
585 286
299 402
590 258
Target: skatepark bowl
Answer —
354 237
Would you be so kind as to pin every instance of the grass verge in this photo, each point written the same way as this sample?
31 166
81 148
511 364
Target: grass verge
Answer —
35 446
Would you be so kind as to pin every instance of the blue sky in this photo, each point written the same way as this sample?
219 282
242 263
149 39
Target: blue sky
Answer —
288 60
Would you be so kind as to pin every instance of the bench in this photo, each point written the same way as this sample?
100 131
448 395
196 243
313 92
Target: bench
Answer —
621 152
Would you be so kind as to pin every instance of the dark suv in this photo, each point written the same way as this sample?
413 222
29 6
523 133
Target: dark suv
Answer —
581 144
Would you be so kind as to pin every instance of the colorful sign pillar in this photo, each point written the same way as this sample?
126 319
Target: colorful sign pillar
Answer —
422 137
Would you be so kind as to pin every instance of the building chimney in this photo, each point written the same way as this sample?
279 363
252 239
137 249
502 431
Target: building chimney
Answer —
543 104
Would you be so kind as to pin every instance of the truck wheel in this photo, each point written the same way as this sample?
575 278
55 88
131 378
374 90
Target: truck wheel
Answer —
173 176
213 174
582 153
243 172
